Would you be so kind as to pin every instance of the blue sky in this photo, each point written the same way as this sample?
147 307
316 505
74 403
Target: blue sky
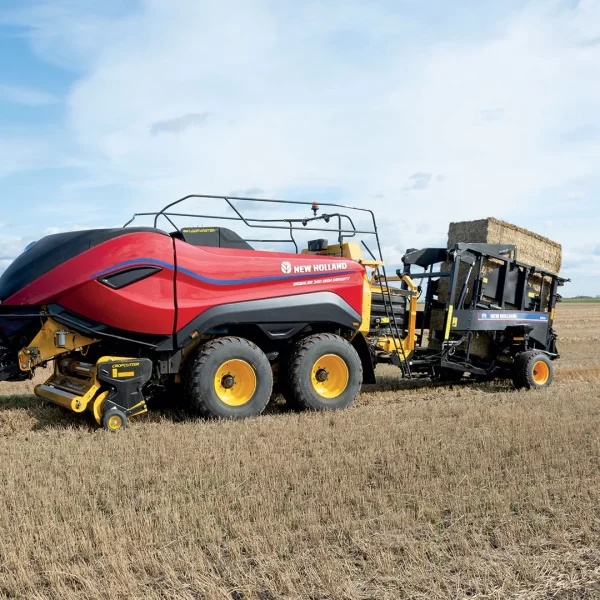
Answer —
427 111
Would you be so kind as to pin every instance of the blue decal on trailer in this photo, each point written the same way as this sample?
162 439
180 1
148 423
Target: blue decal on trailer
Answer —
513 316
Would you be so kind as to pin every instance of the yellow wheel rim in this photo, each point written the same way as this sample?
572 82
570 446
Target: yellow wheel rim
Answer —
541 372
235 382
329 376
115 423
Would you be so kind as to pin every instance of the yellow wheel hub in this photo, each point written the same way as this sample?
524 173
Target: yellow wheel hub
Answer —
541 372
329 376
115 423
235 382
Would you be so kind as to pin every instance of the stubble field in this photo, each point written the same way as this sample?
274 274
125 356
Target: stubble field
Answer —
416 491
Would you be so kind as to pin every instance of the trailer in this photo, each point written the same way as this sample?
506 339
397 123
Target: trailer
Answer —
501 306
124 314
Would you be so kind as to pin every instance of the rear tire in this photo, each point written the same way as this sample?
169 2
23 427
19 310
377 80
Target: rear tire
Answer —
229 378
324 373
532 370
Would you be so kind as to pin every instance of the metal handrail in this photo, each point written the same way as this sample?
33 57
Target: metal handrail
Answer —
287 224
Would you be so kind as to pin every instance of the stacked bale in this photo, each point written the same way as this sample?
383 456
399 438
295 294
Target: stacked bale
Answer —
532 249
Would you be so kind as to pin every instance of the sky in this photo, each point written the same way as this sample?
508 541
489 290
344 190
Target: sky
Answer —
425 111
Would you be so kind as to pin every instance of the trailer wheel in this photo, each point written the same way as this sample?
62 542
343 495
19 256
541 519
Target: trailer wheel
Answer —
532 370
230 378
114 420
324 373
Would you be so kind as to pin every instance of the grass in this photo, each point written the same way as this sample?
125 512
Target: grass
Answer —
580 300
416 491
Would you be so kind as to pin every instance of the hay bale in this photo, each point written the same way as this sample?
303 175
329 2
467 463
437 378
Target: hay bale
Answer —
532 249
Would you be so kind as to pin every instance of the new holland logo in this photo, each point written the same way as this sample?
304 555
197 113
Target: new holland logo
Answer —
287 268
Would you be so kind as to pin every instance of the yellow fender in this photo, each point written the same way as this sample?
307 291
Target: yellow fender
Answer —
96 407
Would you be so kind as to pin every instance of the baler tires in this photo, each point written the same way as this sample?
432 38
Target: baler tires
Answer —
114 420
229 378
532 370
324 373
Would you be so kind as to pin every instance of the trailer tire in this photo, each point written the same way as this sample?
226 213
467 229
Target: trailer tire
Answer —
532 370
324 373
229 378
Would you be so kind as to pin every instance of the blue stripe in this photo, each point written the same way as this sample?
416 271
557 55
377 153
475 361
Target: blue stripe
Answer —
154 261
253 279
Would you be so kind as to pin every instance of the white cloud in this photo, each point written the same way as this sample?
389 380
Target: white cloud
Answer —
11 247
288 112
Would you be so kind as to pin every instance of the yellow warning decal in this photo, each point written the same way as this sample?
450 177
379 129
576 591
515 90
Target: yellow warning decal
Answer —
455 322
117 374
449 322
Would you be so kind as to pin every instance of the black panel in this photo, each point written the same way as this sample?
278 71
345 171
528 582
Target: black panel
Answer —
125 378
281 331
54 250
94 329
381 308
500 320
215 237
317 307
425 257
366 358
18 325
317 245
126 277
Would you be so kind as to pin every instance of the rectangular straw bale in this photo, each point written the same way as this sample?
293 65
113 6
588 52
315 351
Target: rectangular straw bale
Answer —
532 248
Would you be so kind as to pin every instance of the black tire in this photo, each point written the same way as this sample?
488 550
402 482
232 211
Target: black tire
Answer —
532 370
303 366
211 398
114 420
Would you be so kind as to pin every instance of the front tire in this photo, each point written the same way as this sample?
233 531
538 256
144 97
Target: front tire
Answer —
114 420
324 373
230 378
532 370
